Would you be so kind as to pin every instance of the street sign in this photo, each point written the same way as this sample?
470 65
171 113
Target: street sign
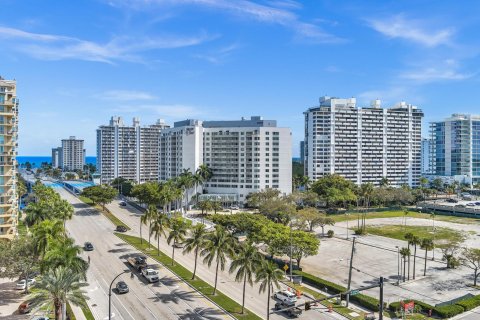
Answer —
285 267
353 292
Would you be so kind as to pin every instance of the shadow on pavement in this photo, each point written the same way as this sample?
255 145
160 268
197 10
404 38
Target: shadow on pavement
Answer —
200 313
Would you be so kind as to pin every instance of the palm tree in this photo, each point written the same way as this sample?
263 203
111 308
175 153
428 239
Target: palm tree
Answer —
216 206
405 214
219 245
187 182
384 182
404 252
59 286
427 245
366 191
64 252
45 232
197 180
159 226
149 215
408 236
178 230
196 242
415 241
246 261
268 274
205 172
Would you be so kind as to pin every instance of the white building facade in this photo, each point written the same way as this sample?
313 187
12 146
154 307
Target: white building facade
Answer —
130 152
72 154
363 145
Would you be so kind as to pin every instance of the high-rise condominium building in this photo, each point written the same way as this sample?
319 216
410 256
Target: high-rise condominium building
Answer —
57 157
455 150
363 145
8 150
72 154
426 158
244 155
131 152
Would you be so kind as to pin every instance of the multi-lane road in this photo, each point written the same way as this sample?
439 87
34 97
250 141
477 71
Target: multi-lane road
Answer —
170 298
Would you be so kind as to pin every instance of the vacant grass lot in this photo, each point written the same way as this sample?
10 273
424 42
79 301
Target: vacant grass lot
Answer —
225 302
400 213
399 231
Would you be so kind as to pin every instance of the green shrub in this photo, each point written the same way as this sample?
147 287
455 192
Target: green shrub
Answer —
470 303
420 306
361 299
360 231
449 311
330 233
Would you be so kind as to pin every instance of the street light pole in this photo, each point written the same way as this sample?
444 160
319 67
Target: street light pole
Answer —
110 294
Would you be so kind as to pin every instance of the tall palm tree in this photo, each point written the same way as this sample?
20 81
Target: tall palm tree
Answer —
245 262
64 211
204 172
269 275
178 231
150 214
384 182
59 286
366 191
45 232
218 247
427 245
408 236
64 252
196 242
187 182
404 252
415 241
197 180
159 226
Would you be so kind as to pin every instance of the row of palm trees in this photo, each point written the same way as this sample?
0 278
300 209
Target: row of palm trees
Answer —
216 248
426 244
63 271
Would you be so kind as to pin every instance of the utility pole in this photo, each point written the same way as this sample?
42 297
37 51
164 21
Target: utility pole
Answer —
350 271
380 307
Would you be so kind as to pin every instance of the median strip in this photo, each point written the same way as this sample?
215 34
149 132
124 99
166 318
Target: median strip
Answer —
223 301
106 213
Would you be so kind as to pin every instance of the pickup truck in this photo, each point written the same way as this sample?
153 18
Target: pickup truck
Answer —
150 274
138 263
294 312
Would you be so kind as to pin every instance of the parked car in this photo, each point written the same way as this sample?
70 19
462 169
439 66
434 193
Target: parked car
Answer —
477 203
121 229
24 308
22 284
123 204
41 318
460 206
285 296
471 204
294 312
452 200
88 246
122 287
234 208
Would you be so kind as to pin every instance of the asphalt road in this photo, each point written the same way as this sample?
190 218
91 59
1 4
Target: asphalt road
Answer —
168 299
255 301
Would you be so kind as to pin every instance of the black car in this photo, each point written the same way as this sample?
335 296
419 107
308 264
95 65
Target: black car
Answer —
123 204
88 246
121 229
122 287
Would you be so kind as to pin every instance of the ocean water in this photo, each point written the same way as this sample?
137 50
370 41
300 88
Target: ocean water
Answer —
36 161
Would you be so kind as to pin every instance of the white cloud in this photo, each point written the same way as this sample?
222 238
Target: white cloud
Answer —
220 55
58 47
125 95
388 96
279 12
433 74
413 30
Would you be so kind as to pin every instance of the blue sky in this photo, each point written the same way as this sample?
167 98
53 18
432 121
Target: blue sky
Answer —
79 62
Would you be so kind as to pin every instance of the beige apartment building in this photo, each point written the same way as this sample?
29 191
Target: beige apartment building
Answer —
8 152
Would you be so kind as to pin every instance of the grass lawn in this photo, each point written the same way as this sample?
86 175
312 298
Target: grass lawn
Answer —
399 231
344 311
106 213
222 300
400 213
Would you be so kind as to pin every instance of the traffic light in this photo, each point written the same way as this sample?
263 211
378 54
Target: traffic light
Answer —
307 306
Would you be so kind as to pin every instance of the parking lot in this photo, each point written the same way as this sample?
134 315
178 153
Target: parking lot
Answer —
377 256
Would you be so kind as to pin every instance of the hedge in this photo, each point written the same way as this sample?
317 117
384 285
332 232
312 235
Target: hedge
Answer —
449 311
470 303
443 312
365 301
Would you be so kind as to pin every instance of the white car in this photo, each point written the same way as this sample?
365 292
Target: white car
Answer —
150 274
22 284
285 296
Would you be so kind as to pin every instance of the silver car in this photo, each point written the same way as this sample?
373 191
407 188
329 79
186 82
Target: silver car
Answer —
122 287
